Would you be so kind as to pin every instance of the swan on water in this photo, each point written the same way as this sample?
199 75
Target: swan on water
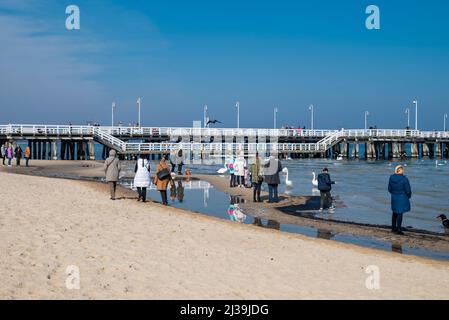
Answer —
314 180
288 183
222 170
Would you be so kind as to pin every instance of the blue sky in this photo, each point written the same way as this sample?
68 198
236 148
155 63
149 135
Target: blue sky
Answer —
180 55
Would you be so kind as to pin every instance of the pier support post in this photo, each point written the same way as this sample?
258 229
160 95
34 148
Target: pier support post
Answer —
344 149
395 150
55 150
425 150
92 150
438 150
355 150
414 150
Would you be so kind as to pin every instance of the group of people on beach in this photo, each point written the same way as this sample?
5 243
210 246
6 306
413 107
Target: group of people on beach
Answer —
268 172
10 152
142 179
259 172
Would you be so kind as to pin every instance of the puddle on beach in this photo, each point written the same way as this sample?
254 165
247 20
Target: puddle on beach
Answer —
200 196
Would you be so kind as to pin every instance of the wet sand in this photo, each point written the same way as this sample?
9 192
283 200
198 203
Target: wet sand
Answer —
126 249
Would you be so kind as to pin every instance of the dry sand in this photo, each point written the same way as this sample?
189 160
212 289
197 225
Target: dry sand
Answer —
126 250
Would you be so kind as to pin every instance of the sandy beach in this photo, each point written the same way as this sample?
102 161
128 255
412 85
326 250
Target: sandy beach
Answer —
130 250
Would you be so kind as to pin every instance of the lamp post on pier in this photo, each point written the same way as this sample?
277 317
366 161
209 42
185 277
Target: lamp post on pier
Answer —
407 112
445 118
237 105
366 119
415 102
311 107
205 115
138 106
113 108
275 111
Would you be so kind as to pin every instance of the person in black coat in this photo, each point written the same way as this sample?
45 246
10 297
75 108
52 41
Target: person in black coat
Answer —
271 177
325 186
18 154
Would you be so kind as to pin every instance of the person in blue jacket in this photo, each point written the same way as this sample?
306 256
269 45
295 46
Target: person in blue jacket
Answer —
400 190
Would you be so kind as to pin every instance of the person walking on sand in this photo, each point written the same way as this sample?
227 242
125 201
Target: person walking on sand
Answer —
18 155
142 179
112 171
325 186
271 177
9 155
162 179
401 192
256 178
27 155
3 152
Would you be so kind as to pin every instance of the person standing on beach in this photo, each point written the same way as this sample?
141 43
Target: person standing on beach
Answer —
232 172
325 186
239 167
401 192
27 155
256 178
142 179
271 177
9 154
18 155
112 170
162 179
3 152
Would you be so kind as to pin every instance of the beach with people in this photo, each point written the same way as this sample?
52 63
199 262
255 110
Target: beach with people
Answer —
52 221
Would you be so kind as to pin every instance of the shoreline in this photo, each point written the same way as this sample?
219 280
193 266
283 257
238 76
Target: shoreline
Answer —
283 212
126 249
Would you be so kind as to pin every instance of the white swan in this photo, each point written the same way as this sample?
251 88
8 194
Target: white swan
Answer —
339 157
288 183
314 180
222 170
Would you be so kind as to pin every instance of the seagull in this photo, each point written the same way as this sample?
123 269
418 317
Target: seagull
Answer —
212 122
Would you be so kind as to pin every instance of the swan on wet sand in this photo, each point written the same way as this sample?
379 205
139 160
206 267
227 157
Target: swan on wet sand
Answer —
314 180
288 183
222 170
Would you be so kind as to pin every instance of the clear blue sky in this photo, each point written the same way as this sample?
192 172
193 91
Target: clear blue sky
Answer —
179 55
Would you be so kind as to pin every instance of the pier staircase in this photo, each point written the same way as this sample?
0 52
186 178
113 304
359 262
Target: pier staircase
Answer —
329 141
109 140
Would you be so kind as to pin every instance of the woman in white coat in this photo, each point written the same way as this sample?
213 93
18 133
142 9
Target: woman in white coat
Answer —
239 170
142 178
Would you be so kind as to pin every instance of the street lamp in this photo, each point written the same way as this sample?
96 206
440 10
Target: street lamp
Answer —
275 111
205 115
237 105
445 118
311 112
366 119
138 105
113 108
415 102
407 112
